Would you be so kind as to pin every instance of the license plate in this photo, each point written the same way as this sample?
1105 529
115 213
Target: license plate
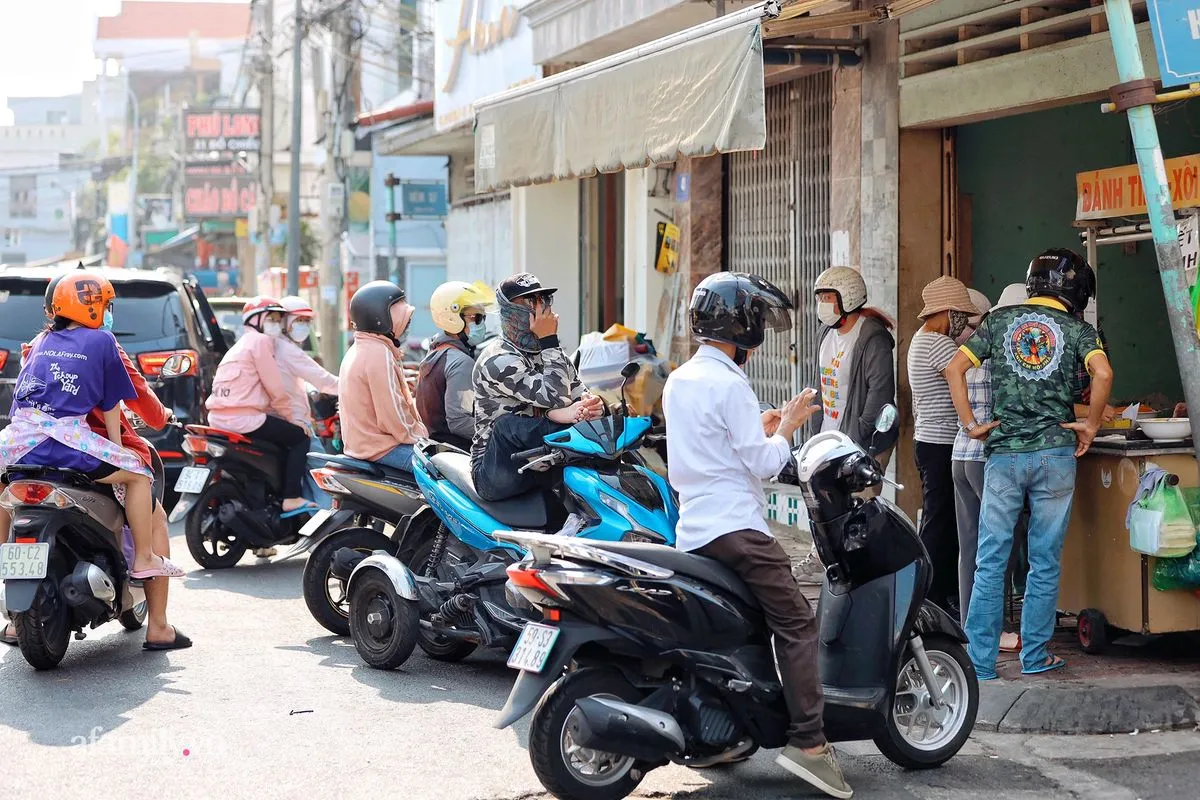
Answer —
533 647
315 522
19 561
191 480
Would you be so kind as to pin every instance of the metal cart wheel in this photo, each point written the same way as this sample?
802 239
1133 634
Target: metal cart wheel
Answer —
1091 626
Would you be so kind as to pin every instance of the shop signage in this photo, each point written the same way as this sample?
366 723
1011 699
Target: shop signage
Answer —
1189 245
1176 28
220 132
482 47
1117 192
227 197
667 259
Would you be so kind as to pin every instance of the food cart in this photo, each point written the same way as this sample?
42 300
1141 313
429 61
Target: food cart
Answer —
1105 584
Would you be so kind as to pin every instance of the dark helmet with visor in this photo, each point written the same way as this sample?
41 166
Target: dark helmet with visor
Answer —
1063 274
738 309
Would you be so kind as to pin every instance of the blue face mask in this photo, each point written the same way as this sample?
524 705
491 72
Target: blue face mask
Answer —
476 334
108 319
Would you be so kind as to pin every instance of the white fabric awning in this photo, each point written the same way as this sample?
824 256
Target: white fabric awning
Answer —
693 93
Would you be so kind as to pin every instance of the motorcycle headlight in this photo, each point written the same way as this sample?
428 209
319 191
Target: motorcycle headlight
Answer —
639 488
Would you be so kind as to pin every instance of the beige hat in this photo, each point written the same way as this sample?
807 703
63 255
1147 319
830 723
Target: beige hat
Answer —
982 304
946 294
1014 294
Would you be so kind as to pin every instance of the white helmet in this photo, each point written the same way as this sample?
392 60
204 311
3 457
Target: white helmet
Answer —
296 307
449 300
847 283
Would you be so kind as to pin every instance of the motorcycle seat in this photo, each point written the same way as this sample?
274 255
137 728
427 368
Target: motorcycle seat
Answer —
371 468
705 570
525 511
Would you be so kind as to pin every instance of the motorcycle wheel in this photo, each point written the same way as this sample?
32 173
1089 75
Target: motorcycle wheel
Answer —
324 594
383 624
916 735
567 771
44 631
439 648
209 542
134 618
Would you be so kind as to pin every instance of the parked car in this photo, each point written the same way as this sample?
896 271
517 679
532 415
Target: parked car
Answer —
229 313
156 313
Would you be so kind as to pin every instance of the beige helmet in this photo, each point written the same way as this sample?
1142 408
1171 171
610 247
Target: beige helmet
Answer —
849 285
449 300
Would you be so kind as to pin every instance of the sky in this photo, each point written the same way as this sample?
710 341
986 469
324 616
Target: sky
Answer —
46 46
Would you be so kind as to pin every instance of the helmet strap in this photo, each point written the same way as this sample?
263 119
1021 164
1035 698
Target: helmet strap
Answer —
740 355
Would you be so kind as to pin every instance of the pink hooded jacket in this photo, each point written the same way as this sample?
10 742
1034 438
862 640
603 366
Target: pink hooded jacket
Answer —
377 409
248 386
299 371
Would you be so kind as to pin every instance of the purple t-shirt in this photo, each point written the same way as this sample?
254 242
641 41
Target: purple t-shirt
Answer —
67 374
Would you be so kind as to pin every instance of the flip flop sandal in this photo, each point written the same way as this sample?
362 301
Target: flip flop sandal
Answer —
8 638
1014 649
180 642
167 570
310 508
1054 662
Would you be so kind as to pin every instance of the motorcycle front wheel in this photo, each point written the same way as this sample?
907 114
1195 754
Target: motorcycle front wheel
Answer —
917 735
571 772
324 594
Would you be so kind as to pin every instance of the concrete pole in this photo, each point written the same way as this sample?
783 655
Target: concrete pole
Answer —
266 155
329 314
1158 203
391 181
293 246
133 178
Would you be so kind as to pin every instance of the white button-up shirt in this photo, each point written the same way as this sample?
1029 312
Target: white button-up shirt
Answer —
717 453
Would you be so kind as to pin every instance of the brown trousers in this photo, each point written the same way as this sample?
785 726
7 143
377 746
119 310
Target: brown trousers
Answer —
760 561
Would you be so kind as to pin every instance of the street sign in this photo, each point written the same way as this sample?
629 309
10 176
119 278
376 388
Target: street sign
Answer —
422 200
1176 28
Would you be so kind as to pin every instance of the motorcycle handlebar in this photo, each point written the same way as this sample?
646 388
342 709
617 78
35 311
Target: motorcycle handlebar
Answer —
526 455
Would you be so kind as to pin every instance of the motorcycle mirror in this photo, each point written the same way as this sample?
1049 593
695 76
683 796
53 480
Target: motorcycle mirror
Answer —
630 369
177 364
886 419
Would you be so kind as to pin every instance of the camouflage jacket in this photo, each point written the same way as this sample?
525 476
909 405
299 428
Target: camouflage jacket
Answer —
508 381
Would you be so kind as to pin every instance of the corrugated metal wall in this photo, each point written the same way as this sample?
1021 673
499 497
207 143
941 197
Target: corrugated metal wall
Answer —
479 242
778 224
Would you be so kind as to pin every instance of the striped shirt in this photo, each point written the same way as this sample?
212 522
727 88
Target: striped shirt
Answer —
979 392
936 420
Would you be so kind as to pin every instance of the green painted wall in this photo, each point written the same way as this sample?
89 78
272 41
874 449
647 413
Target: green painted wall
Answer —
1020 175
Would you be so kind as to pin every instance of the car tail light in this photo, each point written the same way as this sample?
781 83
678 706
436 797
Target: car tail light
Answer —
34 493
200 446
151 364
326 480
3 358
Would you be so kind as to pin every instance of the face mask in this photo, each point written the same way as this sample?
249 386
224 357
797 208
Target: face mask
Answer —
108 319
272 328
299 332
828 314
476 333
958 323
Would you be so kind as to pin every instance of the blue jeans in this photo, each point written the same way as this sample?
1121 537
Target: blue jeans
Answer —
399 458
1048 478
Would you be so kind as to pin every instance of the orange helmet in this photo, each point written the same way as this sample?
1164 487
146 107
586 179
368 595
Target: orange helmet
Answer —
82 297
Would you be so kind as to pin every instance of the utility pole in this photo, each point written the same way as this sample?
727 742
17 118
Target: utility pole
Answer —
293 245
334 209
133 179
1136 95
391 182
266 153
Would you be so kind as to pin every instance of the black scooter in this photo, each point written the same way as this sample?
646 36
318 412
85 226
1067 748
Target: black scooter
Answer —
647 655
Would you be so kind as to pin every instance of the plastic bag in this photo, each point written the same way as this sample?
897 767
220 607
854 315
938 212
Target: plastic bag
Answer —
1178 573
1160 523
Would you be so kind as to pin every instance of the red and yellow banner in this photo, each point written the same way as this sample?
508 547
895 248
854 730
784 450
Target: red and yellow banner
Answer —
1118 192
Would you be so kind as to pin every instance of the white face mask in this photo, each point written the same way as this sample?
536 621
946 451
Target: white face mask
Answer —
299 332
828 314
476 334
272 328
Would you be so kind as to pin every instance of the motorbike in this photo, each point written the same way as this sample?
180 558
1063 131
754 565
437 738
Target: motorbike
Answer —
367 499
65 564
451 597
326 422
646 655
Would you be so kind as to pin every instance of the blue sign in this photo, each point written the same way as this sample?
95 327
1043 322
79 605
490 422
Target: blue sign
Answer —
1176 28
422 199
683 187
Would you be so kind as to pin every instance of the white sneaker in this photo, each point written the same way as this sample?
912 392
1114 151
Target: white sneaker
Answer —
809 570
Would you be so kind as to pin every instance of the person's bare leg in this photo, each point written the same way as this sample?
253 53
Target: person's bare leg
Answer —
139 504
157 627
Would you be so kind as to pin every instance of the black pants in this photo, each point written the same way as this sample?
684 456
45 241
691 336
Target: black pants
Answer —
294 441
761 562
495 473
939 527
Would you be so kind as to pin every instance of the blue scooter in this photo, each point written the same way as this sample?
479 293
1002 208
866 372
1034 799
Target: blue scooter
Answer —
454 598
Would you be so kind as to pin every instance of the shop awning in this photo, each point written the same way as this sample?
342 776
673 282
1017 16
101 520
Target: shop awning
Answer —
693 93
420 137
182 238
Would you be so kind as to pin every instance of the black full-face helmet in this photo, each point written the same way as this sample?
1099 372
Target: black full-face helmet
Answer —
1063 274
371 307
738 309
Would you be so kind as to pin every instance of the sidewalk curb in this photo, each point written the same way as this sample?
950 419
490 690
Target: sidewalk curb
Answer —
1009 707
